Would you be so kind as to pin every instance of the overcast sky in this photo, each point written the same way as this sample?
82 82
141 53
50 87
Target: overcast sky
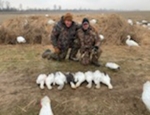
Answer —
92 4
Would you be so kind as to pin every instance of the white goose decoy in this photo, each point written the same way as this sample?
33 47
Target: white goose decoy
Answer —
130 42
146 94
46 15
101 37
130 22
51 22
138 23
46 106
144 21
21 39
93 21
112 65
148 24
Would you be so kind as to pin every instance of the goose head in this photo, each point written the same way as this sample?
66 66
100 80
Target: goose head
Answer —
45 101
128 37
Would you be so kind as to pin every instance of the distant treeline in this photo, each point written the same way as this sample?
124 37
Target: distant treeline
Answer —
15 9
48 10
5 6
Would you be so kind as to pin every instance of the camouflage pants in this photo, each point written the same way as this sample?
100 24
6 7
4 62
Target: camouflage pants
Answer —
88 56
75 45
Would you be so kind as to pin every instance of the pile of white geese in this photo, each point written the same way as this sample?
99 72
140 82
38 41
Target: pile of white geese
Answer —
74 79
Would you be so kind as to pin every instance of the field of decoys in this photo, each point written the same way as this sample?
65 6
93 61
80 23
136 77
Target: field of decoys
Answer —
113 29
30 85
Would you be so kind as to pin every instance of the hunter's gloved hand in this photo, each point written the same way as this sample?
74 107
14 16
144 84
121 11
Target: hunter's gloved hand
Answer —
95 48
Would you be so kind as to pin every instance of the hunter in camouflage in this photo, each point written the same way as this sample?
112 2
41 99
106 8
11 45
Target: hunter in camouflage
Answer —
90 44
63 37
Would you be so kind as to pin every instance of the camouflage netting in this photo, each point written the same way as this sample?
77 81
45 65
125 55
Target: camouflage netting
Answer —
36 30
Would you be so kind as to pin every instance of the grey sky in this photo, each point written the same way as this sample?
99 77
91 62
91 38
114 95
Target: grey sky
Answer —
93 4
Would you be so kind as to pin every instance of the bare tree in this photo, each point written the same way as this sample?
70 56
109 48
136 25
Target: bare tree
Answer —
1 4
7 3
55 7
20 7
59 8
27 8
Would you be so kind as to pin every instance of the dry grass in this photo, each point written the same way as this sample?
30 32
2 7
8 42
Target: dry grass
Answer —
19 94
36 29
21 64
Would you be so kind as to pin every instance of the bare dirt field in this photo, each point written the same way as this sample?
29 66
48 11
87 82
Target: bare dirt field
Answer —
21 64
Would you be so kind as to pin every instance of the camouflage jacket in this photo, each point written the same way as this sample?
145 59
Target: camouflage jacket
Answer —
88 39
61 36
